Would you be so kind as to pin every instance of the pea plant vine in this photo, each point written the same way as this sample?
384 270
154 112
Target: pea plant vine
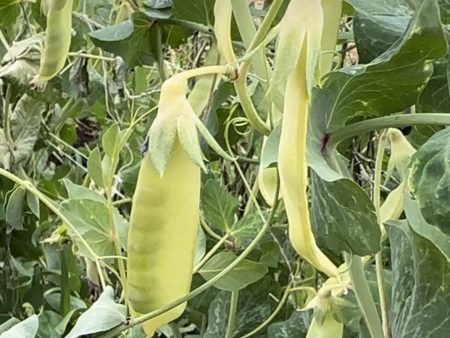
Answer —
224 168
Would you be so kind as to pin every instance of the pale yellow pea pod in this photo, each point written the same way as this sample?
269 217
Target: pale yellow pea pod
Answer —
222 29
330 328
301 26
57 38
332 10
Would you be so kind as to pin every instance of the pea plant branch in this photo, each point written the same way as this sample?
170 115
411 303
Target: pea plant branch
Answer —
392 121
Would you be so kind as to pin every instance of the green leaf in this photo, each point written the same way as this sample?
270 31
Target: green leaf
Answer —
110 140
9 11
431 232
430 180
78 192
103 315
200 11
421 292
343 217
91 219
252 309
245 273
8 324
133 40
435 97
377 25
218 206
33 204
296 326
25 123
14 208
247 227
94 166
25 329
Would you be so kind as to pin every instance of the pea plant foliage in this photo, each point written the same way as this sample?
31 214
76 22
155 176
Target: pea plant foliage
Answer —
225 168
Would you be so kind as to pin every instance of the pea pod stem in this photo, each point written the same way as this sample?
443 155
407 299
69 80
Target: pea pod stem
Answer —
338 135
115 331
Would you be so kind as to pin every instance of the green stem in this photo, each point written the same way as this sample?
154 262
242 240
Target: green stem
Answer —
379 255
160 54
175 330
272 315
115 331
363 296
232 314
211 253
393 121
252 39
6 118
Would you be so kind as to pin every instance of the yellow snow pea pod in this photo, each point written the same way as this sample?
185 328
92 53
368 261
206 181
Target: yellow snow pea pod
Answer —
222 29
292 163
330 328
57 38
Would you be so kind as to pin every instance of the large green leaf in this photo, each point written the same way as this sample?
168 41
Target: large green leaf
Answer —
218 206
245 273
377 24
430 180
200 11
91 220
343 217
296 326
435 97
25 123
134 40
390 83
103 315
421 286
25 329
431 232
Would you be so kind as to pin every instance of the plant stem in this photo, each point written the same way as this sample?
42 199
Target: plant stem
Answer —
358 128
115 331
210 253
363 296
232 314
175 330
272 315
252 39
379 255
6 118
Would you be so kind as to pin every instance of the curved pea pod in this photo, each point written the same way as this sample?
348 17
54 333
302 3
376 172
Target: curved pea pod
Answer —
292 163
330 328
57 38
222 29
332 10
162 236
301 26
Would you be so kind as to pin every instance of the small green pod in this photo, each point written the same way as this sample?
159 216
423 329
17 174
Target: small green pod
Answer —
162 236
57 38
